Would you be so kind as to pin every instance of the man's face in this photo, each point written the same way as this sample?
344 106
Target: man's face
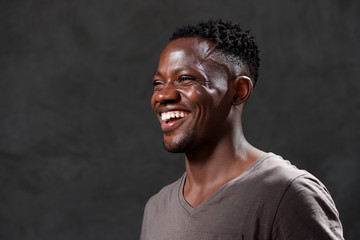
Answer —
191 94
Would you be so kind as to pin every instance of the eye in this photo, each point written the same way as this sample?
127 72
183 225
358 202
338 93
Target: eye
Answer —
157 84
186 78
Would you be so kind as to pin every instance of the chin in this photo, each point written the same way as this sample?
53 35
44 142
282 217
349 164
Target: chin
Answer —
179 144
174 149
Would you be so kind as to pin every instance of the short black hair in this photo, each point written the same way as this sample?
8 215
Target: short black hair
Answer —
229 38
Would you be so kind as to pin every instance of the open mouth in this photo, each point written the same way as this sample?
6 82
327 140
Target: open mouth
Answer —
171 116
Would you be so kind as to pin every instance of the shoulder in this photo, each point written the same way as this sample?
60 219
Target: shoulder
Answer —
306 211
272 171
161 199
302 206
158 206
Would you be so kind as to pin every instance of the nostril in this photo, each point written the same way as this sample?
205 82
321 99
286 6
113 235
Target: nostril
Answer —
167 95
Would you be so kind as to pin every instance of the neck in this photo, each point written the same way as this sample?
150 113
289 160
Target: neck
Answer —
213 164
220 162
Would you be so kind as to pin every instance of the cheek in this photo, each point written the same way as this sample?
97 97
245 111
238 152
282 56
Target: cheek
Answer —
221 84
210 100
198 95
204 100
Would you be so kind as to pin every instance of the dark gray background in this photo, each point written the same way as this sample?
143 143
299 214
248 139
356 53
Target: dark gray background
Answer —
81 150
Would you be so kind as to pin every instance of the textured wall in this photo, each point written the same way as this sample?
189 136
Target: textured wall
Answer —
81 150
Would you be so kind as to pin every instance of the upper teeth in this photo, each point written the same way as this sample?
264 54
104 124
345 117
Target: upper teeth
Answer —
172 114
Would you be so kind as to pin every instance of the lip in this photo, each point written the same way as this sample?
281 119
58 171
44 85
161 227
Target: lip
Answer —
169 109
172 124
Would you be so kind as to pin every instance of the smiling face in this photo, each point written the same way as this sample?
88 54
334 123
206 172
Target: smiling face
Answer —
192 94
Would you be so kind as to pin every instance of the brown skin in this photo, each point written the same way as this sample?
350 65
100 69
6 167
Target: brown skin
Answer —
195 77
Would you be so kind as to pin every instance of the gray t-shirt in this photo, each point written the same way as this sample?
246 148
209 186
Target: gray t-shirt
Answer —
271 200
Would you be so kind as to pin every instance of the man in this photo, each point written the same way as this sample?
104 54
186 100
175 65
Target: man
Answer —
231 190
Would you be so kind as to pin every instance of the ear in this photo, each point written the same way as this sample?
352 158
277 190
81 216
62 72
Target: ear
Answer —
243 87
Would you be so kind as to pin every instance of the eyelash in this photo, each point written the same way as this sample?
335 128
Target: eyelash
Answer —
155 83
181 79
184 78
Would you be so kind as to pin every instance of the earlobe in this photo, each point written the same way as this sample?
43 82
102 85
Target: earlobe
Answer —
243 87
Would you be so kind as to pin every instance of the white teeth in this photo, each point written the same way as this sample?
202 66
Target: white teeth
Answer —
172 114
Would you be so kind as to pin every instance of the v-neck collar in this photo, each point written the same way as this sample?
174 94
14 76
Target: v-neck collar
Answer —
192 210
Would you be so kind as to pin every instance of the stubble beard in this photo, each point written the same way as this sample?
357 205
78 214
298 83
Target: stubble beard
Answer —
180 144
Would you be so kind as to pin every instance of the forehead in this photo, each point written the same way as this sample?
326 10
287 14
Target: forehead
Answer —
187 50
195 52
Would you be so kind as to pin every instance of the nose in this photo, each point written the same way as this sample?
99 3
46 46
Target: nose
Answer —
167 94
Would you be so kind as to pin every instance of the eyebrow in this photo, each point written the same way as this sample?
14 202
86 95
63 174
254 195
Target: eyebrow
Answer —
157 73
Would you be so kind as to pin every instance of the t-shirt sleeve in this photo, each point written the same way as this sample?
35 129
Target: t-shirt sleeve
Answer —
307 211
